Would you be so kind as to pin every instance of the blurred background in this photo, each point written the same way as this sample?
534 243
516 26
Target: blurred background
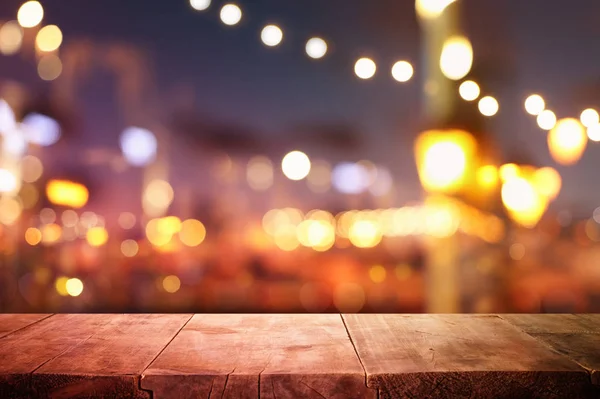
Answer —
267 156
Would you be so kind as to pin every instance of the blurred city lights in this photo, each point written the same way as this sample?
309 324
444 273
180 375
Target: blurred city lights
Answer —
525 205
200 5
11 38
534 104
546 120
30 14
349 297
508 171
271 35
590 117
567 141
10 210
33 236
296 165
69 218
49 38
15 143
157 197
49 67
192 233
41 129
139 146
469 90
129 248
319 178
377 274
430 9
365 68
383 183
231 14
259 173
402 71
127 220
8 181
171 284
364 234
487 176
350 178
61 286
97 236
67 193
74 286
316 48
51 233
47 216
593 132
457 58
488 106
7 118
547 182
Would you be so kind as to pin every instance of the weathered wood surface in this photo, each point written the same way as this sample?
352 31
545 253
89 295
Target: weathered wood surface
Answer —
268 356
576 336
10 323
461 356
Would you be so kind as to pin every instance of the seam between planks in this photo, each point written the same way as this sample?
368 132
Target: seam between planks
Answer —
356 352
28 325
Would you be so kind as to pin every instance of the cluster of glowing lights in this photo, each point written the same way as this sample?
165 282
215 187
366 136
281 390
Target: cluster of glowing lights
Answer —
162 232
456 59
271 35
296 165
67 193
231 14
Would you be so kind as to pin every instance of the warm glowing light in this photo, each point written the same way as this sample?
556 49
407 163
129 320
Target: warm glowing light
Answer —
11 38
488 106
129 248
170 225
29 195
349 297
593 132
61 286
508 171
192 233
319 178
457 58
47 216
316 48
49 67
259 173
487 176
231 14
69 218
51 233
271 35
285 238
97 236
30 14
546 120
171 284
377 274
567 141
8 181
402 71
590 117
364 234
74 286
41 129
443 158
535 104
200 5
430 9
469 90
33 236
127 220
383 182
67 193
155 235
49 38
7 118
296 165
316 234
548 182
139 146
365 68
525 205
157 197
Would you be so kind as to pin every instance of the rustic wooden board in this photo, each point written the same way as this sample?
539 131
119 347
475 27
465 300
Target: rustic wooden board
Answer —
575 336
247 356
10 323
109 363
461 356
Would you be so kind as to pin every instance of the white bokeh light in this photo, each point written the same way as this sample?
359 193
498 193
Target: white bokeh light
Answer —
231 14
40 129
8 181
316 48
488 106
546 120
139 146
7 118
402 71
15 142
271 35
365 68
383 182
296 165
200 5
534 104
350 178
593 133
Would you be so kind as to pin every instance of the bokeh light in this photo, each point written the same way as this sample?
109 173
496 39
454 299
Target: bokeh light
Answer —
139 146
129 248
171 284
51 233
30 14
259 173
10 210
74 286
200 5
33 236
47 216
567 141
11 38
157 198
31 168
41 129
488 106
67 193
231 14
349 297
97 236
69 218
593 133
430 9
127 220
546 120
49 38
402 71
547 182
534 104
589 117
8 181
316 48
365 68
469 90
49 67
457 58
7 118
365 234
192 233
377 274
350 178
271 35
296 165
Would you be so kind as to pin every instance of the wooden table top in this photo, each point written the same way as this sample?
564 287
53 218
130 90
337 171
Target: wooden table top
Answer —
299 356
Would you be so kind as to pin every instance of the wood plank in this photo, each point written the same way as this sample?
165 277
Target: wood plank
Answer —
247 356
443 356
109 363
575 336
10 323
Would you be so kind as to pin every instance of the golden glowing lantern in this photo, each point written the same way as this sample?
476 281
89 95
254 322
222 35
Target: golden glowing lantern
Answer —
444 158
567 141
67 193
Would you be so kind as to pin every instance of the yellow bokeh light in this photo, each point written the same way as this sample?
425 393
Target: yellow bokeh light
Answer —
525 205
535 104
67 193
49 67
487 176
377 274
30 14
171 284
349 297
74 286
129 248
11 38
365 234
157 237
97 236
546 120
457 57
10 210
49 38
567 141
169 225
402 71
157 197
488 106
29 195
548 182
316 234
296 165
61 286
127 220
286 239
31 169
33 236
365 68
192 233
508 171
51 233
430 9
469 90
259 173
590 117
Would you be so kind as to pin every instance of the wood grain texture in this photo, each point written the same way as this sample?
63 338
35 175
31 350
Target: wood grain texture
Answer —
10 323
575 336
461 356
247 356
109 363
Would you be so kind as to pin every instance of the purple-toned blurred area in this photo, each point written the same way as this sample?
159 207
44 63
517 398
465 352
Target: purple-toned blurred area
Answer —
366 156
